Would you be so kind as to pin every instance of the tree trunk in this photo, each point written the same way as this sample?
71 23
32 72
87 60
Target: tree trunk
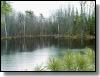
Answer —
5 26
58 30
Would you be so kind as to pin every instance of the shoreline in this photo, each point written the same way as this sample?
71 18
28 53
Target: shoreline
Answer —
54 36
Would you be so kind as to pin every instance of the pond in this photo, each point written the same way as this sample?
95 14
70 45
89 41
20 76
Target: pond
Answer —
25 53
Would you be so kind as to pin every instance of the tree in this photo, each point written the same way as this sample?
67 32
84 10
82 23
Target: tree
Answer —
41 22
30 20
5 9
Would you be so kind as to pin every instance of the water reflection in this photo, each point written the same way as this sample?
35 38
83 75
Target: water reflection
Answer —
31 44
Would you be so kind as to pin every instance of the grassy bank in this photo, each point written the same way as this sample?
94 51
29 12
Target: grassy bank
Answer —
72 61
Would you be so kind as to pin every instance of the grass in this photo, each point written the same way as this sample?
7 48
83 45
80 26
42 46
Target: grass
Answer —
54 64
73 61
39 68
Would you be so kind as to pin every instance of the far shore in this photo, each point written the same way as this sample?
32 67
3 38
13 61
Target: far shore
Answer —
54 36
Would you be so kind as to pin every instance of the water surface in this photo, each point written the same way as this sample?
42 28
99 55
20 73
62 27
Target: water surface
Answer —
26 53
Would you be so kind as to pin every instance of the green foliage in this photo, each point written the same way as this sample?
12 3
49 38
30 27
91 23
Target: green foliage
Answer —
74 61
54 64
5 7
68 61
90 55
91 25
80 62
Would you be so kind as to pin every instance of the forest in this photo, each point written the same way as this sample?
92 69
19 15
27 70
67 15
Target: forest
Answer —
64 22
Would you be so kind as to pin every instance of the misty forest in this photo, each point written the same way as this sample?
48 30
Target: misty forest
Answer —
64 41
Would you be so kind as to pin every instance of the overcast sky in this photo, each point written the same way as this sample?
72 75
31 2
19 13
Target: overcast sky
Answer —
44 7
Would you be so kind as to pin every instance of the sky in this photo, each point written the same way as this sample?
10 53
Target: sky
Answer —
44 7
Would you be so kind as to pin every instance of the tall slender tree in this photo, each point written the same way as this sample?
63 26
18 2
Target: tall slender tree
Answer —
5 9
